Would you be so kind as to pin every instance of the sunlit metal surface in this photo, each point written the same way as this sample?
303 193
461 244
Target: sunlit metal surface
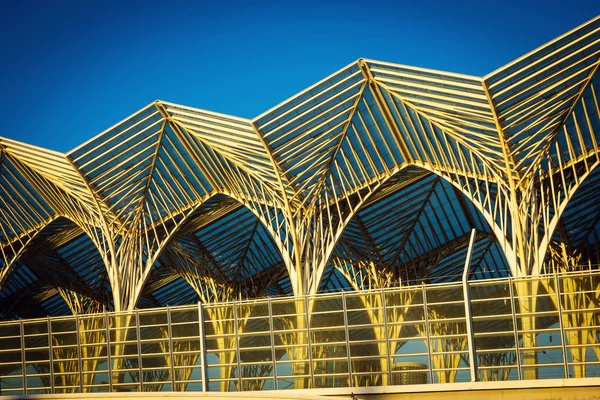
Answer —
371 179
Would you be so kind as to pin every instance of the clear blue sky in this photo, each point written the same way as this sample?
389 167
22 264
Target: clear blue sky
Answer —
71 69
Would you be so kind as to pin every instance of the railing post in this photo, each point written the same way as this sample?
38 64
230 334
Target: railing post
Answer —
202 339
79 355
273 353
427 332
108 351
171 357
237 345
515 327
563 336
347 333
311 367
50 354
139 348
387 336
23 362
470 334
468 316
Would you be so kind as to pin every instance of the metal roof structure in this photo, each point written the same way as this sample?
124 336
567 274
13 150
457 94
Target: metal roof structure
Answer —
372 177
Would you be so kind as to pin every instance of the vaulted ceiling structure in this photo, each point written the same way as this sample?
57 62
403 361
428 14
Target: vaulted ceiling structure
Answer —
373 177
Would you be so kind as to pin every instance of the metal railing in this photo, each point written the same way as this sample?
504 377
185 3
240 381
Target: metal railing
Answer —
522 328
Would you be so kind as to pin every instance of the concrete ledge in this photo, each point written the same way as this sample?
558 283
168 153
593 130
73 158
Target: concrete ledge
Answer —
588 383
550 389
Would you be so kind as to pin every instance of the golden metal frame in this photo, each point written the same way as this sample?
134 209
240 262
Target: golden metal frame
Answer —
518 143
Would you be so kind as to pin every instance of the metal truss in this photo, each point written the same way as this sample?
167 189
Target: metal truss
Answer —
372 177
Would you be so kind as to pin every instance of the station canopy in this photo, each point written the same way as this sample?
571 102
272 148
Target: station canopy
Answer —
373 177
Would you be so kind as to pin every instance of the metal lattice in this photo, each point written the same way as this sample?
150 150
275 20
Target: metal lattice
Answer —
373 177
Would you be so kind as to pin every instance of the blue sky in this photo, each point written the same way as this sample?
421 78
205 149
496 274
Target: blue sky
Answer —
71 69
